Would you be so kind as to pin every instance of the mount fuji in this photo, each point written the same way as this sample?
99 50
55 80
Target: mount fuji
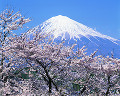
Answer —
62 28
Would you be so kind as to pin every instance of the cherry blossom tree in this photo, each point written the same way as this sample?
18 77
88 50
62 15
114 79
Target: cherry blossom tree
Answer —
105 72
44 56
9 21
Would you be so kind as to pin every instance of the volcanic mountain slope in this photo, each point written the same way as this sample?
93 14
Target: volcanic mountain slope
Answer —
63 28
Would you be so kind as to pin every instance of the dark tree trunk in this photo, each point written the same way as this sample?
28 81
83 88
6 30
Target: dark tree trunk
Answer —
107 92
49 79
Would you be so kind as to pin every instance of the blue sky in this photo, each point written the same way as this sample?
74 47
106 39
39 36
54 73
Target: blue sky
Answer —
102 15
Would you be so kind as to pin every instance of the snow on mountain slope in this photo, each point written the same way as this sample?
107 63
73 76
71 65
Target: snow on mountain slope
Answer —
64 28
60 25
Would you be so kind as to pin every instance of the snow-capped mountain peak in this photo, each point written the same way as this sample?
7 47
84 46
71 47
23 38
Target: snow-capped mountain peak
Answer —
60 25
63 28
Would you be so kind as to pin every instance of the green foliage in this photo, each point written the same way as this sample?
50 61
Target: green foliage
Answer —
24 76
92 75
77 87
27 69
59 82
